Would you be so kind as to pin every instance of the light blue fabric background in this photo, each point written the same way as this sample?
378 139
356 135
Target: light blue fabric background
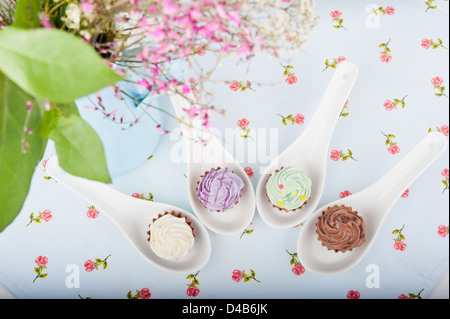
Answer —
71 238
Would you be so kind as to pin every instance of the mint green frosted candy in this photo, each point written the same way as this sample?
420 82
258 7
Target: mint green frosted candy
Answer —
289 188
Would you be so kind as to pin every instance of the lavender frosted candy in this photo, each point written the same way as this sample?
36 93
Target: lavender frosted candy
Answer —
219 189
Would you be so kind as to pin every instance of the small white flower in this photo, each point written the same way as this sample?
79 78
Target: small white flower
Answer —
73 14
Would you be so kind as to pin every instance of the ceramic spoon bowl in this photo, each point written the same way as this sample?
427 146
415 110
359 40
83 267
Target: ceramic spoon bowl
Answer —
133 217
373 204
309 151
204 152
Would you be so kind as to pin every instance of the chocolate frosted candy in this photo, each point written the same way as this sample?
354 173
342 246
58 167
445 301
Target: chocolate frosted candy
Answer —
341 229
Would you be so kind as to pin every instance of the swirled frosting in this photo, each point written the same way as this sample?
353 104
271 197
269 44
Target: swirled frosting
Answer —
289 188
171 237
220 189
341 229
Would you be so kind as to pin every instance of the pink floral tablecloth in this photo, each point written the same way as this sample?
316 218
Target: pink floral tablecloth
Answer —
63 247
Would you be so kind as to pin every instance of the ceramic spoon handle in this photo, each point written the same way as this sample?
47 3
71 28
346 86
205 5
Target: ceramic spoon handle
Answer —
105 198
321 126
391 186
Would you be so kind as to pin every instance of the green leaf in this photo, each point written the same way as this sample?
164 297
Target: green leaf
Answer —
17 168
190 277
252 272
52 64
246 279
26 15
129 295
395 232
79 149
43 275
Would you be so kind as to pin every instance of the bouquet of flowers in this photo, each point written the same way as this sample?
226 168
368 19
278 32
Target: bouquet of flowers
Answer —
53 52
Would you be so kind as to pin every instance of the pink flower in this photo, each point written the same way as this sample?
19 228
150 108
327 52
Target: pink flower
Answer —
394 149
426 43
335 14
88 7
92 212
389 10
437 81
145 293
136 195
353 294
192 291
299 119
298 270
405 194
237 275
444 130
388 105
445 173
403 296
340 59
234 86
89 265
249 172
385 58
291 79
44 163
335 155
344 194
41 261
243 123
46 215
400 245
442 231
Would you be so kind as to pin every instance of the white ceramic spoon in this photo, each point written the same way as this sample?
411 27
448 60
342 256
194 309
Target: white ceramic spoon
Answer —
133 216
373 204
204 152
309 151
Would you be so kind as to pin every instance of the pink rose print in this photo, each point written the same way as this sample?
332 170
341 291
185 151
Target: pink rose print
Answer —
44 163
344 194
445 181
340 155
334 63
430 43
381 10
443 230
90 265
444 130
234 86
243 124
336 15
193 290
390 105
385 56
390 10
41 263
92 212
144 293
393 147
142 196
297 119
437 83
399 241
343 113
297 268
238 275
45 216
405 194
410 296
237 85
249 172
290 77
353 294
